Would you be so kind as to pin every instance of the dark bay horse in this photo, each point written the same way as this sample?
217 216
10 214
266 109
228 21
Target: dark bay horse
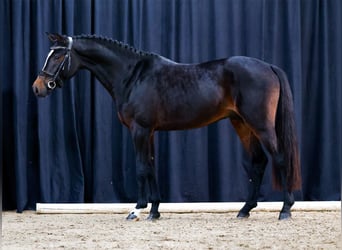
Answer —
154 93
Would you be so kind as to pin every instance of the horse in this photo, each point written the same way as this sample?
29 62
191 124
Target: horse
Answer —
153 93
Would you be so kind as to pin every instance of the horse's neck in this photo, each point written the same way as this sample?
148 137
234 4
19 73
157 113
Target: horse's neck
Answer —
110 64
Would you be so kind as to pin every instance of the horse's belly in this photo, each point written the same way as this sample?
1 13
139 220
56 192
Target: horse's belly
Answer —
191 118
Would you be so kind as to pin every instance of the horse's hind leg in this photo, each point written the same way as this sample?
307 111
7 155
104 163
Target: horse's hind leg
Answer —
256 171
269 140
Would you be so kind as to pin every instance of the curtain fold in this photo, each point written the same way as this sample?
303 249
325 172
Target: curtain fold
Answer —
70 146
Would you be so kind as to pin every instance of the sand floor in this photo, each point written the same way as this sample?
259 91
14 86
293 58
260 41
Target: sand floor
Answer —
306 230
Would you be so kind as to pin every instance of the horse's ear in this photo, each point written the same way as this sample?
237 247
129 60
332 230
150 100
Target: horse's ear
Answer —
54 37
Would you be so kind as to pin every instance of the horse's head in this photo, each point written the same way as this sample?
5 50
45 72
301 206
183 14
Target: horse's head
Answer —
57 66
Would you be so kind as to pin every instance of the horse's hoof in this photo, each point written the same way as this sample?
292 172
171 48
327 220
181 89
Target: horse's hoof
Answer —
242 215
284 216
153 216
132 217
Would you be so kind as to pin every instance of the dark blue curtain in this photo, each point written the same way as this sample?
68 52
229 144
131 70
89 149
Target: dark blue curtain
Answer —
70 146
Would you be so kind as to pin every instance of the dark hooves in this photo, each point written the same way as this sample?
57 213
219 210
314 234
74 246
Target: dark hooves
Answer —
284 216
132 217
244 211
153 216
242 215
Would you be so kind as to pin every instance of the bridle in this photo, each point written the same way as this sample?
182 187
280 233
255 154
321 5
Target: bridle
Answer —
51 84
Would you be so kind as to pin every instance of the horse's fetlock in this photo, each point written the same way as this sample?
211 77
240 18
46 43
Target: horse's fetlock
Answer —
141 204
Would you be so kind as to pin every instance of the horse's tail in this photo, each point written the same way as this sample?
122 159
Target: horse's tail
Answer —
287 136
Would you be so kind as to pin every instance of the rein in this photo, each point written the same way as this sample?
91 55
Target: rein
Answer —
52 82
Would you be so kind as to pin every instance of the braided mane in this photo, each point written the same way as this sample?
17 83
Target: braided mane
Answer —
116 43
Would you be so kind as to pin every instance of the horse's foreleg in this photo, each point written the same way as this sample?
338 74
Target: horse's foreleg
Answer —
146 180
140 138
154 189
155 199
142 191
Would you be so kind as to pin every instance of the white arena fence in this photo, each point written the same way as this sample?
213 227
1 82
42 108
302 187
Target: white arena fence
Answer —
191 207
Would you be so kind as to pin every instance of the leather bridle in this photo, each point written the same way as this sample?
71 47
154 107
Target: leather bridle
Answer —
54 76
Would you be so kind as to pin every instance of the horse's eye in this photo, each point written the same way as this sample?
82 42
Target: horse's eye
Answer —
56 56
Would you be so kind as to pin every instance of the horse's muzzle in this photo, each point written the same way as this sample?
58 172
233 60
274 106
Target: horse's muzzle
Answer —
39 88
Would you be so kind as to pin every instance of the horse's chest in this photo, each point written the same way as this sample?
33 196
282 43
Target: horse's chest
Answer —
136 112
123 119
